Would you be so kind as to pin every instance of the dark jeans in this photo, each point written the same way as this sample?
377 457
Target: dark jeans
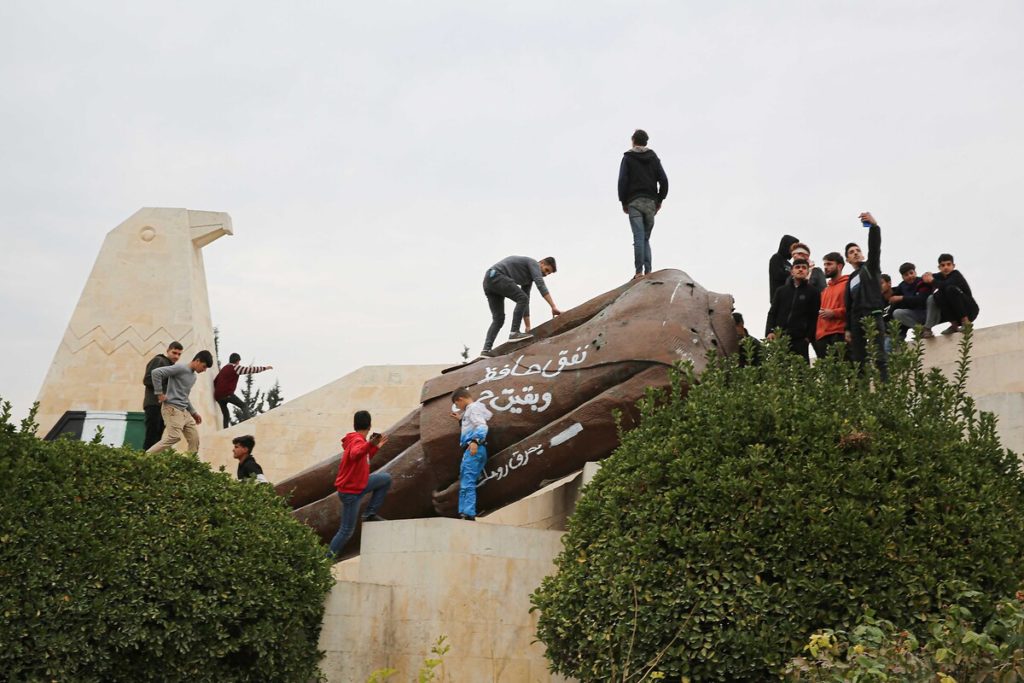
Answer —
497 288
956 305
800 347
235 401
154 425
858 349
822 346
378 484
641 222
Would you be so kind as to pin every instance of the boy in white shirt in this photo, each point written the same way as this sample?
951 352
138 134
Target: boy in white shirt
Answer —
473 439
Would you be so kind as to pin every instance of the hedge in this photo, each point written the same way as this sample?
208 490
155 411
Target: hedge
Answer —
775 501
121 566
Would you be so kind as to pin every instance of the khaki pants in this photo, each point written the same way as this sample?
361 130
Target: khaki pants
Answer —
177 422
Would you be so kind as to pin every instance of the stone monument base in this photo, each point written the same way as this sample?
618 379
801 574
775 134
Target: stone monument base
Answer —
418 579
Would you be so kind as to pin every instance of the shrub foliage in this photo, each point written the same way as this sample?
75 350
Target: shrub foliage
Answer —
121 566
775 501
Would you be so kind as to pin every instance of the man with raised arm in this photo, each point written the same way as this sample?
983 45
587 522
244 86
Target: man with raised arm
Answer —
864 301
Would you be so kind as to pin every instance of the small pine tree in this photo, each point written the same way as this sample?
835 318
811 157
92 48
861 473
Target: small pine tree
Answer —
465 353
274 396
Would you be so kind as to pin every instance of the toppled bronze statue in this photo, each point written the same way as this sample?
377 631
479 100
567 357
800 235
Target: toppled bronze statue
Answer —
552 396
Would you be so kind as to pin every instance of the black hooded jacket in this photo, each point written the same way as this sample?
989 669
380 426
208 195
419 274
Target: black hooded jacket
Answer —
778 265
641 175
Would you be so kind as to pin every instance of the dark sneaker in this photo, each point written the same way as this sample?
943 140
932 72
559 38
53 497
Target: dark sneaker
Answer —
487 353
467 518
515 336
952 329
926 333
374 518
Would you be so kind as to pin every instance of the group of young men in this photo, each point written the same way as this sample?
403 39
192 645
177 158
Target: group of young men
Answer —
168 410
819 308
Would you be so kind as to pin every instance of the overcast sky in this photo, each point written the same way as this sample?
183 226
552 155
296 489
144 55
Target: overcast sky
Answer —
376 158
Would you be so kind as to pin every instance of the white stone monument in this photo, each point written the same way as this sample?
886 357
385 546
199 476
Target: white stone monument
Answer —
147 288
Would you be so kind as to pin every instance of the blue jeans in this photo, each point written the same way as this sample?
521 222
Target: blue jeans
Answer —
469 474
378 484
641 221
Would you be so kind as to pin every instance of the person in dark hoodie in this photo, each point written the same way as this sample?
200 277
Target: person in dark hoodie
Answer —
952 296
778 265
864 301
643 186
795 309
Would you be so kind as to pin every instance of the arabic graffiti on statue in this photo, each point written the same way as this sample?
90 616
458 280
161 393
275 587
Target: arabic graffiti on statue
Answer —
514 462
510 400
563 361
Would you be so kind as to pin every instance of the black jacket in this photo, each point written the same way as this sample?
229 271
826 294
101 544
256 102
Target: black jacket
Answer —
795 310
249 468
864 288
955 296
778 265
158 361
641 175
915 294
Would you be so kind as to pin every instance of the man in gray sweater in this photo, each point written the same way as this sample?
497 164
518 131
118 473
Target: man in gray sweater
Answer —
180 418
513 278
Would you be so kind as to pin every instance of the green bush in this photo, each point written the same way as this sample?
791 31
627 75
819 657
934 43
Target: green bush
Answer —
775 501
956 648
121 566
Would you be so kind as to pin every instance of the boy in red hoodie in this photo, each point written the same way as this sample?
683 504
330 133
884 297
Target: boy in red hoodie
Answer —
355 481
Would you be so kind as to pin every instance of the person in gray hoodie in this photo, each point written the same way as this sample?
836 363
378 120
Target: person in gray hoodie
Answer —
172 385
643 186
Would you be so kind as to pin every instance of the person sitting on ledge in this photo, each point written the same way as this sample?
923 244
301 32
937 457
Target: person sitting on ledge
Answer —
952 301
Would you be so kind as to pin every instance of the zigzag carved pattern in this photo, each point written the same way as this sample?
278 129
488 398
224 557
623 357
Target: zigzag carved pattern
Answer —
143 346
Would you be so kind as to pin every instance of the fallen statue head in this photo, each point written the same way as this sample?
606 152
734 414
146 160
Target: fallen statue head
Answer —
552 396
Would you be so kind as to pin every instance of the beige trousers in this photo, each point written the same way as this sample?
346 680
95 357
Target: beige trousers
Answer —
177 422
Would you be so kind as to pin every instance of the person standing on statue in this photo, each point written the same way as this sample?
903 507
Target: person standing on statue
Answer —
513 278
643 186
180 418
473 441
225 383
150 406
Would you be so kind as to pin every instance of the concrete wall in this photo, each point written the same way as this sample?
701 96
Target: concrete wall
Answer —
996 378
423 578
308 429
